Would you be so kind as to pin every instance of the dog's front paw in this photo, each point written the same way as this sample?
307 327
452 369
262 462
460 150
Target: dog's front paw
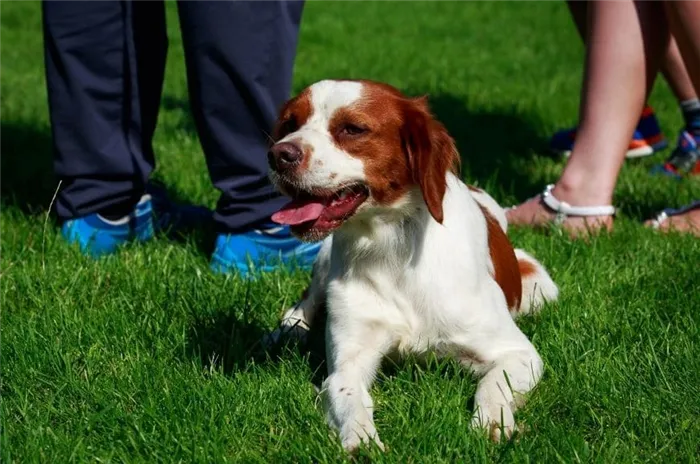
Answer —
496 419
353 438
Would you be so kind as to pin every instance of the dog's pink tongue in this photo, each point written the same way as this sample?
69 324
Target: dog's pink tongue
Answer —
297 213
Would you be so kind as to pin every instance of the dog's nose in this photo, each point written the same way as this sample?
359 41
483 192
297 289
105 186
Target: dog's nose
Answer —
284 155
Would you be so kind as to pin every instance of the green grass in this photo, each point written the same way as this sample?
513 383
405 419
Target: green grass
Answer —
147 357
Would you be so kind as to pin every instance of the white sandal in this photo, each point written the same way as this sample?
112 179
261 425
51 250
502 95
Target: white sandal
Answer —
565 210
669 212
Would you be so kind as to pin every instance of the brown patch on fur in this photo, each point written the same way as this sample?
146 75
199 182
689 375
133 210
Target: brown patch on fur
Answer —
505 264
431 152
526 268
474 189
293 114
401 145
386 169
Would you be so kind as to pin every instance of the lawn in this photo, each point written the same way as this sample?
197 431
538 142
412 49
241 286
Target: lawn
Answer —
148 357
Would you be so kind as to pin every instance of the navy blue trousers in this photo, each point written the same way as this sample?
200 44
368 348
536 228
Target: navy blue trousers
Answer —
105 65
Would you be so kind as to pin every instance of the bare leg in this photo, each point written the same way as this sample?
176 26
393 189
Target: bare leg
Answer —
672 66
675 73
683 18
616 82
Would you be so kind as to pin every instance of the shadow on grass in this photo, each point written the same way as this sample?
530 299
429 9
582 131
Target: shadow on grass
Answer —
230 343
499 145
187 222
27 181
224 341
229 339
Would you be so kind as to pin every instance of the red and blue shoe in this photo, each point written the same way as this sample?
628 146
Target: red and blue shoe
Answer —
685 159
646 140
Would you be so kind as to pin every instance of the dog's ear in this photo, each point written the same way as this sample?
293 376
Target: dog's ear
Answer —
431 153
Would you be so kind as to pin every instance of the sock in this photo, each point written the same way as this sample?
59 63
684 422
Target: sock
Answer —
691 115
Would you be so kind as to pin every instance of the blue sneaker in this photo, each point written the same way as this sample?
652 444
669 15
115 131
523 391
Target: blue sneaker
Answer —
264 249
98 236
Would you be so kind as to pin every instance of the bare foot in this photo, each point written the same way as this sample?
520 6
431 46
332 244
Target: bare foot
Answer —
534 212
685 222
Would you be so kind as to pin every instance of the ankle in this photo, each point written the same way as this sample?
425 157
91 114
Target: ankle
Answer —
582 193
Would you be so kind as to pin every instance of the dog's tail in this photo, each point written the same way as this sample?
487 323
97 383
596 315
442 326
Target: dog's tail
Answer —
538 286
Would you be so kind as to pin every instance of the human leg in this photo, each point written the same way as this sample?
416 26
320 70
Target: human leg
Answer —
104 70
616 82
240 58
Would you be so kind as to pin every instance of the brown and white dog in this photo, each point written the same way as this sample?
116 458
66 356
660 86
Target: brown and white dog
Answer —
412 261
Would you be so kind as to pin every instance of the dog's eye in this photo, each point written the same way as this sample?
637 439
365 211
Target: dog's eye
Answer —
352 129
288 126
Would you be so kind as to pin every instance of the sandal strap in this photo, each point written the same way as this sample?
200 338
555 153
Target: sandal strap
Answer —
659 219
564 209
683 209
668 212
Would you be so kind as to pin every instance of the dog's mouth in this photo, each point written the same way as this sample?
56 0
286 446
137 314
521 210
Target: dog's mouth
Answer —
319 213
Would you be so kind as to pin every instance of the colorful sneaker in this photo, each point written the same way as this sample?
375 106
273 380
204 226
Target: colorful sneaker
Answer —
646 140
685 159
264 249
98 236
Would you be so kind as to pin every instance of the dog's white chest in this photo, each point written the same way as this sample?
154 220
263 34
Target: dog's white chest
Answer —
397 304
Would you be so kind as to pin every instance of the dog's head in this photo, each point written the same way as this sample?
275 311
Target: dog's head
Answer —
345 148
